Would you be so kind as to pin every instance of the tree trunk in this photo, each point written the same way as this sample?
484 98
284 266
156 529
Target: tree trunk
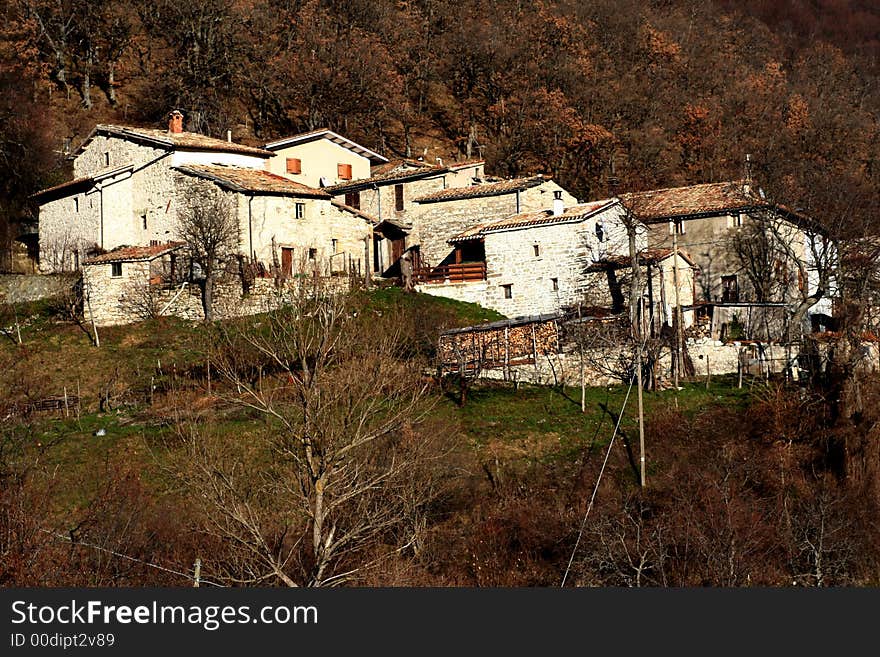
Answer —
111 84
86 85
208 297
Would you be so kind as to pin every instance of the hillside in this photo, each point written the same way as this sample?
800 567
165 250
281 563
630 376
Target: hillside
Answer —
742 481
604 96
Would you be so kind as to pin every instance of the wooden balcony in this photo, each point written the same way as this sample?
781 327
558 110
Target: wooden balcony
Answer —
462 273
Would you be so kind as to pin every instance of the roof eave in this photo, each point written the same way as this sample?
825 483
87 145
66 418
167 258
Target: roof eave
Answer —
336 138
700 215
481 194
369 183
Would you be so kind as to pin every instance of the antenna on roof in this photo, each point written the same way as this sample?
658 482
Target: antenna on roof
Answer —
747 184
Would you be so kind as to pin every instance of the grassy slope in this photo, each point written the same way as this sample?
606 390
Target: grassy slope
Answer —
527 427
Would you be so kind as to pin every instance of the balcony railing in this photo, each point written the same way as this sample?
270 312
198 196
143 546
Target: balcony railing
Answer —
462 273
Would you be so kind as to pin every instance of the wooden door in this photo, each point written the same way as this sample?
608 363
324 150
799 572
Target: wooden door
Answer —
397 248
286 261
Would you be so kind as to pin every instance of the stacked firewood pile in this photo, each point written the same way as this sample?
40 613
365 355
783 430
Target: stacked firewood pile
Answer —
508 342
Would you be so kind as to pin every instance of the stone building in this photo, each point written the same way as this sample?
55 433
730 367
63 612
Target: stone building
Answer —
445 213
713 222
126 191
389 194
285 227
553 260
123 191
131 183
123 284
321 158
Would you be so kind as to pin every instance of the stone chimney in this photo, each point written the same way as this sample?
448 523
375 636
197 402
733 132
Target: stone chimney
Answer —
558 204
175 122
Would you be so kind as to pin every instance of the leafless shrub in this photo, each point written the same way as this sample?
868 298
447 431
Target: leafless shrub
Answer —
344 457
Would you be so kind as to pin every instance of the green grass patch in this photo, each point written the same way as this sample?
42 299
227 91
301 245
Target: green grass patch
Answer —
466 314
547 423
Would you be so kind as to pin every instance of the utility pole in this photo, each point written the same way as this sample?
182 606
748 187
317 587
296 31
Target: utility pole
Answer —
635 305
679 341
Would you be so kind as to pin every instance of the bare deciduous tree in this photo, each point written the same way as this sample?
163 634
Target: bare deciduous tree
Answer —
208 224
346 480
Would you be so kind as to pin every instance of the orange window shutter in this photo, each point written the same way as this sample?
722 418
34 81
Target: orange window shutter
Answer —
344 171
294 165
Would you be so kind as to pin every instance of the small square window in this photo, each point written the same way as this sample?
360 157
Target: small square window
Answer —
294 165
555 283
313 254
116 269
343 171
300 210
537 249
508 291
353 200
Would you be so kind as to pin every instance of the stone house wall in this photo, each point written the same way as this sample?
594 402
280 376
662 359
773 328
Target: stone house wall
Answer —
122 152
555 278
68 226
135 206
273 222
435 223
110 299
130 297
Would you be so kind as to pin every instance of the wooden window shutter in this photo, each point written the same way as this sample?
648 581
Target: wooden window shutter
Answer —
294 165
344 171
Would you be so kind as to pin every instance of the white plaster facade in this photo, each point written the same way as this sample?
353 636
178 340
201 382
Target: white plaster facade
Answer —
319 162
533 269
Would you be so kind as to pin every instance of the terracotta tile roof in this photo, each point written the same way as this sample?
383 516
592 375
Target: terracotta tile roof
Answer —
355 211
539 218
329 135
706 199
258 181
134 253
455 166
394 175
486 189
63 187
646 257
187 141
402 164
373 220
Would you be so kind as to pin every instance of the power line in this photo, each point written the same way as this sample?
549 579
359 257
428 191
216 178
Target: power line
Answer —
130 558
598 480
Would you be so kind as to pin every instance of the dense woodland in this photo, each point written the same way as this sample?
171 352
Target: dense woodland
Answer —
309 447
605 96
